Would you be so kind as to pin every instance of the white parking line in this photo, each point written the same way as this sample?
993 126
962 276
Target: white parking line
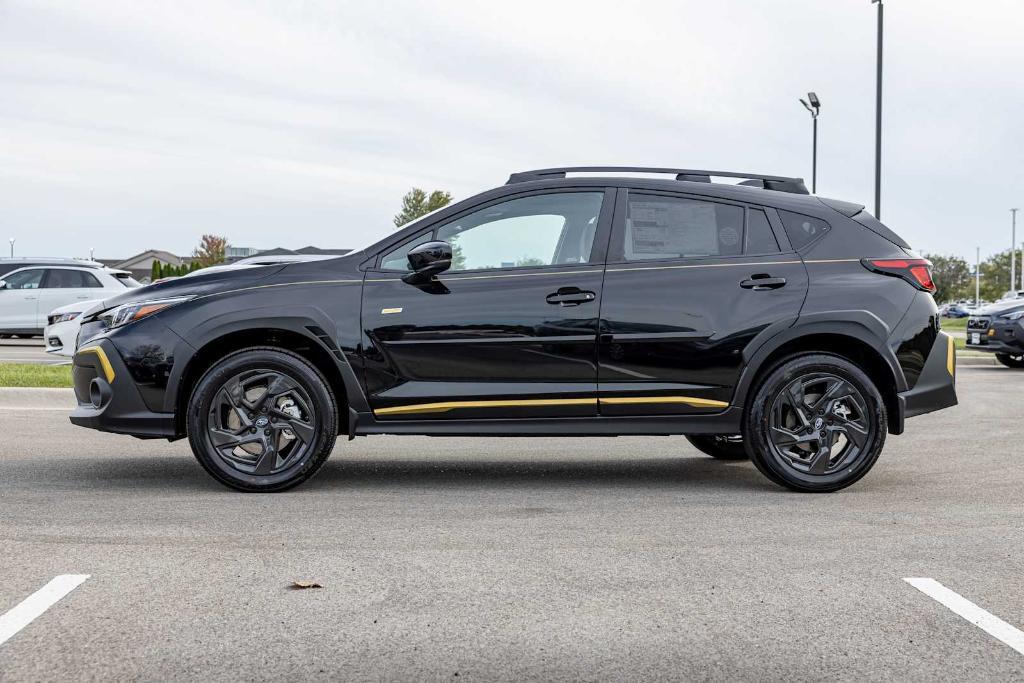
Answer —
989 623
43 599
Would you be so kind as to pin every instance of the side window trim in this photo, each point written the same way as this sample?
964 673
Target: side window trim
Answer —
598 249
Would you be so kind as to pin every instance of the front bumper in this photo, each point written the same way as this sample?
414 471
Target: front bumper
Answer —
108 398
936 386
61 338
999 336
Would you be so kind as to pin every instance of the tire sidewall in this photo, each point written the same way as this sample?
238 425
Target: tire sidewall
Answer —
757 416
324 407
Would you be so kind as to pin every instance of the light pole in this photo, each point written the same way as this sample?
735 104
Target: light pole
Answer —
977 276
1013 248
12 246
813 105
878 117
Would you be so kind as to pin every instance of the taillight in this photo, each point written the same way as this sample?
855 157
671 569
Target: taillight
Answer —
916 271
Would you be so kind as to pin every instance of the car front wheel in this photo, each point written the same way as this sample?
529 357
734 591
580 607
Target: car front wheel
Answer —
816 423
1011 361
262 420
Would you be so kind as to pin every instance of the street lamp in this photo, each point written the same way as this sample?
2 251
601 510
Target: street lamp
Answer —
878 116
813 105
12 246
1013 249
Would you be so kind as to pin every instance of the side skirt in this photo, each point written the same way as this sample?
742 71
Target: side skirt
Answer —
726 422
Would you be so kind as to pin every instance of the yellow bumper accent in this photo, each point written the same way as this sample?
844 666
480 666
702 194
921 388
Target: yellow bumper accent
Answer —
535 402
951 357
108 371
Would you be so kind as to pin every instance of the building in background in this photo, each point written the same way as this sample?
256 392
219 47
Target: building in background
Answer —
141 265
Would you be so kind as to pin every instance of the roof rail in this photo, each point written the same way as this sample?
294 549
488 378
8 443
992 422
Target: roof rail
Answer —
767 182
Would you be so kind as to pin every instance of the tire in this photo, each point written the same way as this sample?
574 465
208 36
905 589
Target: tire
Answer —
838 400
262 420
720 446
1011 361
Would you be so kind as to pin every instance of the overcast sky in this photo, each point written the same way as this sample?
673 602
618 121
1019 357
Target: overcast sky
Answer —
134 125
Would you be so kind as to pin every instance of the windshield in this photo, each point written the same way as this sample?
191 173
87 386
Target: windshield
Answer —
128 281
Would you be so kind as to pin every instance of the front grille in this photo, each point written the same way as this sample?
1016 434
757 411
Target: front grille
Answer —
977 324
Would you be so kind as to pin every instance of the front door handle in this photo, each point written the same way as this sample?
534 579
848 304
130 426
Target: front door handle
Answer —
570 296
762 282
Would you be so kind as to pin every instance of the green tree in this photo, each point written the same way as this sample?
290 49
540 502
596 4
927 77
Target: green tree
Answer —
952 277
210 252
155 272
995 275
417 203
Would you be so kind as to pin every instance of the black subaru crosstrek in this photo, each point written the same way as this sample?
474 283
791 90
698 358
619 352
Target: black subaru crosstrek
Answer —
753 318
999 329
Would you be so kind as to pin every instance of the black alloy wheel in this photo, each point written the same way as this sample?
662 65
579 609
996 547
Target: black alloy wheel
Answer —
262 420
1010 360
817 424
720 446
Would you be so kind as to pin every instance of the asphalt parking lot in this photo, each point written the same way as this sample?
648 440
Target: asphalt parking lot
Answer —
514 558
31 350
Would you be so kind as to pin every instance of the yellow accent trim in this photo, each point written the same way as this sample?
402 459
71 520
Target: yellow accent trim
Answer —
688 400
389 311
951 357
108 371
451 405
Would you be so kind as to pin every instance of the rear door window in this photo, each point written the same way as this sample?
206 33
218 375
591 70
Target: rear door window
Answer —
759 238
58 278
660 227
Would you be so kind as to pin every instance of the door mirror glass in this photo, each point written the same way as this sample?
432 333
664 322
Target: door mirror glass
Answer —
427 260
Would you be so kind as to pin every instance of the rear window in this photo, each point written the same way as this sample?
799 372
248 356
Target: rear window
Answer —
802 230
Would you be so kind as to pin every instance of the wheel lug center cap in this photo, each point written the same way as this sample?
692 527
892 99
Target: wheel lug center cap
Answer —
262 421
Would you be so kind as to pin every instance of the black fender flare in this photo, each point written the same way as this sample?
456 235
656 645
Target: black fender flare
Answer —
862 326
308 321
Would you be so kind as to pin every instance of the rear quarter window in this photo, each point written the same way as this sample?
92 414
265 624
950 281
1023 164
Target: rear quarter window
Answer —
802 230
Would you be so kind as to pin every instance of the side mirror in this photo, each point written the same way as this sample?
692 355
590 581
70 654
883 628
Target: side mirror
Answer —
3 284
427 260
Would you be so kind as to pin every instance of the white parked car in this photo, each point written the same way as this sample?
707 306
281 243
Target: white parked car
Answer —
27 295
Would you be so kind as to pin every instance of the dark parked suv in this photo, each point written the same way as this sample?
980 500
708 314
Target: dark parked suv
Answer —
753 318
999 329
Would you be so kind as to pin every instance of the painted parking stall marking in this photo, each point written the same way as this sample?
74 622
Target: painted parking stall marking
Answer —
22 614
991 624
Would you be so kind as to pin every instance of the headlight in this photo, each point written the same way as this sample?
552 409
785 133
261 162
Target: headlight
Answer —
61 318
1015 315
129 313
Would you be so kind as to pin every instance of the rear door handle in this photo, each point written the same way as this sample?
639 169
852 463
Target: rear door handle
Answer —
570 296
761 282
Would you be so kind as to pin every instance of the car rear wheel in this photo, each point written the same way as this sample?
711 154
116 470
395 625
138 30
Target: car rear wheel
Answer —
262 420
816 423
1011 361
720 446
